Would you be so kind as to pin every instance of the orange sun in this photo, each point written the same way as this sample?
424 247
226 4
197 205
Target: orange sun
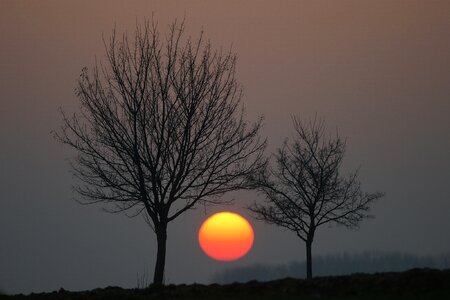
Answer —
226 236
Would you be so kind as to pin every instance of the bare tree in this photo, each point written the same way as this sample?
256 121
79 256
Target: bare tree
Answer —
305 189
160 129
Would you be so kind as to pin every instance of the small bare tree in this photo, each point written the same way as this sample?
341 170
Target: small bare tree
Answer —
160 129
305 189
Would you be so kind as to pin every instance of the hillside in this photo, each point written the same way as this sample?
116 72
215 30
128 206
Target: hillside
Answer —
412 284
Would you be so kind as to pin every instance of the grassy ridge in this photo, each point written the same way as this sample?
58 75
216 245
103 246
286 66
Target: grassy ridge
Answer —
413 284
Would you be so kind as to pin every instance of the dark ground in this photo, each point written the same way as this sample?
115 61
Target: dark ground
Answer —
412 284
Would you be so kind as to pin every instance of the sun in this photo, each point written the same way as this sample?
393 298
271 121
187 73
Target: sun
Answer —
226 236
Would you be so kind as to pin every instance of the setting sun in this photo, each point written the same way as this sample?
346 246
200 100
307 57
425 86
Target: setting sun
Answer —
226 236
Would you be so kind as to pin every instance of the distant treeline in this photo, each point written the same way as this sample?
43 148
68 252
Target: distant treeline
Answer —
335 264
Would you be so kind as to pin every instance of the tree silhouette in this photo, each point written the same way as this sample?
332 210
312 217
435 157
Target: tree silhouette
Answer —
305 189
160 129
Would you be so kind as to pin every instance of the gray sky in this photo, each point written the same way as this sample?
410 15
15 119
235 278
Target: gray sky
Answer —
377 70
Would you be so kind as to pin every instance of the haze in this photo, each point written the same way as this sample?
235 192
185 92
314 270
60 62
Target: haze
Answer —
379 71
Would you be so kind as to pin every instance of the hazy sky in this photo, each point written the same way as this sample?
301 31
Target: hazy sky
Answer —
377 70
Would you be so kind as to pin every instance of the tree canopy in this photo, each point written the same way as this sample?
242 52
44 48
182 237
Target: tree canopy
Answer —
161 128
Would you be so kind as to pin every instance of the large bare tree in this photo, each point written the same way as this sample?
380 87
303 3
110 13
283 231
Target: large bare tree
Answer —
160 129
305 188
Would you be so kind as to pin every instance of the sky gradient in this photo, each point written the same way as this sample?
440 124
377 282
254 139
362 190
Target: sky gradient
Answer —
379 71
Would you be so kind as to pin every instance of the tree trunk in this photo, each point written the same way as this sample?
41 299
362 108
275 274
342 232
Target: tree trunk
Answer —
161 238
308 259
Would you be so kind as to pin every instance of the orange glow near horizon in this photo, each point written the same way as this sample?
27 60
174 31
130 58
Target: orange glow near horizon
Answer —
226 236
